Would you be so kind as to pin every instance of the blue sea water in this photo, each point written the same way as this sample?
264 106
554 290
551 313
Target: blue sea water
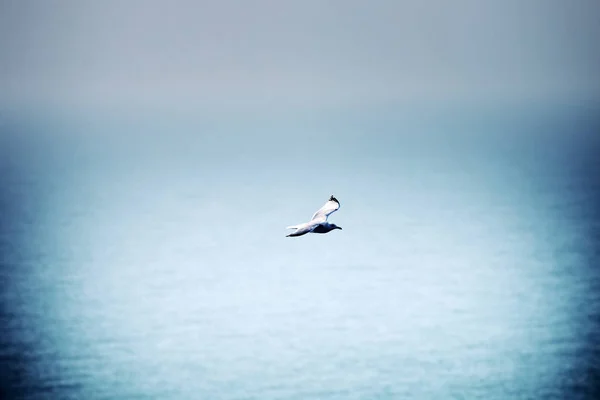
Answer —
148 259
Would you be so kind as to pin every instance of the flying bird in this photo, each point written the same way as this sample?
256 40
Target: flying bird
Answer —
318 223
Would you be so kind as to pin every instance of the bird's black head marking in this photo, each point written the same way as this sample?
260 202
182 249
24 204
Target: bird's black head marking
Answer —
334 199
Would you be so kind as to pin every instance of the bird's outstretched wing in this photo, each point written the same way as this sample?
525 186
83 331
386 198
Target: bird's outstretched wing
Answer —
302 229
330 207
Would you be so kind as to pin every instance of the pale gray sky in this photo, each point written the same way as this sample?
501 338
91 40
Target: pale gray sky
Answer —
291 53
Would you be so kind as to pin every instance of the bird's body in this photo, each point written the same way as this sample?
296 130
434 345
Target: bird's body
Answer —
318 222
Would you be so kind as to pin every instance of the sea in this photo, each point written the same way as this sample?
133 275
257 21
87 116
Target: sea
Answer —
145 256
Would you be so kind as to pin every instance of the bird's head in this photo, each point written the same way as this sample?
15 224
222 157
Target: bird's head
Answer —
334 226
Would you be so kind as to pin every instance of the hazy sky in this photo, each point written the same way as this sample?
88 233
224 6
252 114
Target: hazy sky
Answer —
296 53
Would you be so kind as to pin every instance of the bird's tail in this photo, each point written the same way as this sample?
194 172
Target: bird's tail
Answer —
294 226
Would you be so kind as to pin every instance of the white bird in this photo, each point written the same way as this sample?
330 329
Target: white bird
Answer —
318 222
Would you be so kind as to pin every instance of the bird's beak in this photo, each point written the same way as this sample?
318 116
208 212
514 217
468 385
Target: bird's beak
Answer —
339 227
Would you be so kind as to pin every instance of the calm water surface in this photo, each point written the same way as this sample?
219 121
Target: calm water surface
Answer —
162 271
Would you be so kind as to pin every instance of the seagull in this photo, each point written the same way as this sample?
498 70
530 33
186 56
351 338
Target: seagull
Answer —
318 222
